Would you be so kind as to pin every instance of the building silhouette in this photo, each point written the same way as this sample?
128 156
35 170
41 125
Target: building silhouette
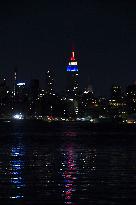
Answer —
49 81
131 98
15 81
116 92
21 98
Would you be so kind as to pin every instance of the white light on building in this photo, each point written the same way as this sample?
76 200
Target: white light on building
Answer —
20 84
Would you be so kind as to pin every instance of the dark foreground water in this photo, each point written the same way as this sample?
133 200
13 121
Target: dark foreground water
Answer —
45 163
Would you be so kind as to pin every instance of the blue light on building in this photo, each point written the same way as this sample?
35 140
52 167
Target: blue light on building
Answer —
71 68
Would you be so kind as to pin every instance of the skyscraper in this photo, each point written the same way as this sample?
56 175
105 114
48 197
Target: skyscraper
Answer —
72 85
21 97
15 81
116 92
49 81
131 98
34 89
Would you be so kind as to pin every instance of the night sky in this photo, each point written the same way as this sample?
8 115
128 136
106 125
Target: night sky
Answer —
37 36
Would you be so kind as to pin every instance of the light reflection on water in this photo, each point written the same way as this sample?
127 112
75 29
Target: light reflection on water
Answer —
16 171
69 173
77 166
68 169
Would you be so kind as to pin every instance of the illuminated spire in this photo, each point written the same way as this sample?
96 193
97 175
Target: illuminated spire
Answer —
72 65
73 56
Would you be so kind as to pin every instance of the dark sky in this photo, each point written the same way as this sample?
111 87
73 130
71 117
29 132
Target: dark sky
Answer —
36 36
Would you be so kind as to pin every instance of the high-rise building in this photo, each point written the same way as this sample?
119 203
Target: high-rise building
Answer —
33 96
49 81
117 103
116 92
34 89
21 92
72 80
15 81
131 98
21 97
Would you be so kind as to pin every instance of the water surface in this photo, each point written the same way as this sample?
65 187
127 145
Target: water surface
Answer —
45 163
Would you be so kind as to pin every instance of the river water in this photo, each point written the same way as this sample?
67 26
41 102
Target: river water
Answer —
46 163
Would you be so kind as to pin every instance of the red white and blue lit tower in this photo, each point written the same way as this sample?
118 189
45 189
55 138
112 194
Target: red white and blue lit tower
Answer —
72 76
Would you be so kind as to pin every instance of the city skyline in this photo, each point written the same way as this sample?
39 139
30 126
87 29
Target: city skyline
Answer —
36 37
67 102
71 67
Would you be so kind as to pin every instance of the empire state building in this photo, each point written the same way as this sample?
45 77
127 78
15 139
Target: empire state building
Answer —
72 80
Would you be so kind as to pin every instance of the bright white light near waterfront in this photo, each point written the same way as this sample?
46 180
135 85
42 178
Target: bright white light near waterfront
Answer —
18 116
19 84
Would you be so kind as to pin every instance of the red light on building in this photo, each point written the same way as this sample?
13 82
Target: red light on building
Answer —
73 56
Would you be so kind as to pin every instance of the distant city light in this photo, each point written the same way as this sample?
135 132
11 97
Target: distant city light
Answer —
71 99
86 92
20 84
18 116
